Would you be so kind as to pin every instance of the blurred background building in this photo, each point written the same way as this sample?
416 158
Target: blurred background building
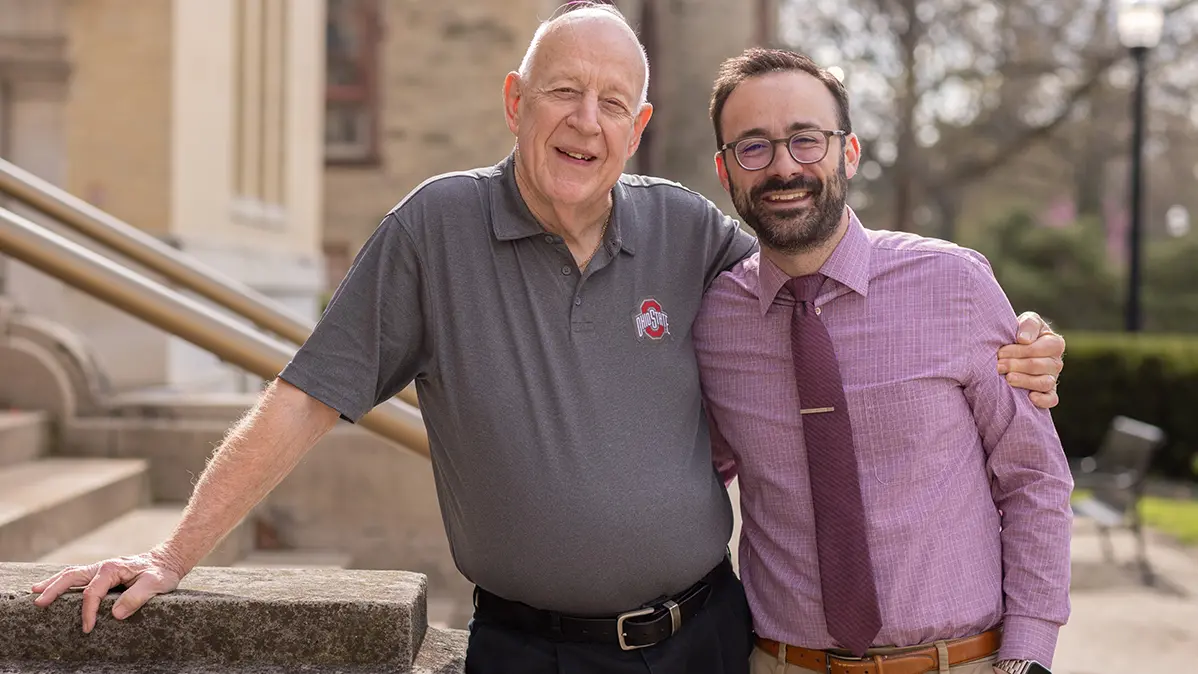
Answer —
199 122
415 89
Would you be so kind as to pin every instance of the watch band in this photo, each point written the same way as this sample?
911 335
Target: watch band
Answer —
1014 666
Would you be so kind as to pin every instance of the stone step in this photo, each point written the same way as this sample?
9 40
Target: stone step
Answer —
177 449
46 503
228 620
195 406
138 531
295 559
442 652
24 436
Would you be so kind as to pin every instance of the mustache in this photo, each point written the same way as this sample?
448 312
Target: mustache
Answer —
777 184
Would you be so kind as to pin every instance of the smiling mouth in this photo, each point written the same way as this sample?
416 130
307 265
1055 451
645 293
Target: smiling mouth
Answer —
788 197
577 156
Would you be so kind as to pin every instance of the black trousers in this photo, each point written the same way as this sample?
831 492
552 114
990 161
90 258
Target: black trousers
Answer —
717 640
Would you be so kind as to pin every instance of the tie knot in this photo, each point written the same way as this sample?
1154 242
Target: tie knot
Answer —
805 288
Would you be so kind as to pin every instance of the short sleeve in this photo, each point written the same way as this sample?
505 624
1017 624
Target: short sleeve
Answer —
727 242
371 342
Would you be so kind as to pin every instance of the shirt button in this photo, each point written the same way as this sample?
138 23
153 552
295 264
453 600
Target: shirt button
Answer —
577 301
817 311
565 270
548 239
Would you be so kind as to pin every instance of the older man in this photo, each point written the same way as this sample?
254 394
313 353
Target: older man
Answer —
905 510
543 307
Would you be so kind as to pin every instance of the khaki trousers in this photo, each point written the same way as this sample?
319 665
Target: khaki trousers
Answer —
761 662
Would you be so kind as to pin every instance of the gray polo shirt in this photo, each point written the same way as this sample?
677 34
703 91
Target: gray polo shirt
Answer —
569 445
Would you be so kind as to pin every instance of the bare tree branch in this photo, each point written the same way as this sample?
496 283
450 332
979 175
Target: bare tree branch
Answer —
973 73
975 169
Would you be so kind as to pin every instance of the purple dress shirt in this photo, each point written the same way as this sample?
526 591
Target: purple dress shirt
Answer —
965 484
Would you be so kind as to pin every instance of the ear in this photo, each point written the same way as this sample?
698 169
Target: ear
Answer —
638 126
721 170
512 93
852 155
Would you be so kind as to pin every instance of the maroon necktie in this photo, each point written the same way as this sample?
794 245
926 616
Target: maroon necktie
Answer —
845 569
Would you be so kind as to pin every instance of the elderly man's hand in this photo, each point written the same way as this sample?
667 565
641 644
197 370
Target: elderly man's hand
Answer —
143 576
1036 361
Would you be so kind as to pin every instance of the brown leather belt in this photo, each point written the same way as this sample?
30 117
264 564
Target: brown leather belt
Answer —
914 661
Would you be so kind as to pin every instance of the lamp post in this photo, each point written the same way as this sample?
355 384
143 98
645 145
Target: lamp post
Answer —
1140 23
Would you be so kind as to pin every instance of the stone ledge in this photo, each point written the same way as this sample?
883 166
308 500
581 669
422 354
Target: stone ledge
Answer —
228 619
28 667
443 652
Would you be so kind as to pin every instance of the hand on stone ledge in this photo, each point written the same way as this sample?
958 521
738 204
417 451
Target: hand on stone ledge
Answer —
143 576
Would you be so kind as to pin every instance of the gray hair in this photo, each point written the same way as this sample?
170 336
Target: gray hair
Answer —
591 8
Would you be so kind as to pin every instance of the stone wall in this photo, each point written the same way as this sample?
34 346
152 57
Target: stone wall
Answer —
442 69
234 620
441 105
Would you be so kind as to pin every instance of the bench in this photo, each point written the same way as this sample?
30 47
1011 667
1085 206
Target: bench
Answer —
1114 477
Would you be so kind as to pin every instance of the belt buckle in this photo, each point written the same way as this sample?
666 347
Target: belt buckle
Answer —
623 618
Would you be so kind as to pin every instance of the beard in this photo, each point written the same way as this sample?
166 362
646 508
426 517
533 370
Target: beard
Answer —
794 230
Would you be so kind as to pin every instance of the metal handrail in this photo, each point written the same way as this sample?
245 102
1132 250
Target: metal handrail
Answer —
179 315
156 256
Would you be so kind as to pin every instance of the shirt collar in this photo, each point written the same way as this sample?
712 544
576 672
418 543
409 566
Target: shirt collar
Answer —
848 264
511 219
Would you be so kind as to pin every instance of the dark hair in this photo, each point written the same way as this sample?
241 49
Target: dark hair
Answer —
757 62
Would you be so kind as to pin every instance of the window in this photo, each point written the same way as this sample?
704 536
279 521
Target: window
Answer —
351 94
260 114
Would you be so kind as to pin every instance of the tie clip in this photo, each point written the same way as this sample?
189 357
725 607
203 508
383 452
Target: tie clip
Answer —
817 410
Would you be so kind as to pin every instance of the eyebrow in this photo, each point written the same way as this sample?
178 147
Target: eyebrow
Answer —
793 128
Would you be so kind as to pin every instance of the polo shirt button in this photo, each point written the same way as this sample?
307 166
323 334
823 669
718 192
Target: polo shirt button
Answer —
565 270
577 301
548 239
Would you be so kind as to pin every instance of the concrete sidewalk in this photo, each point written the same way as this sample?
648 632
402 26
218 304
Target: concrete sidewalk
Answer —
1118 624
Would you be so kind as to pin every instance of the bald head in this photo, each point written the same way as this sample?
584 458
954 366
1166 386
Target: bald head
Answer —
577 22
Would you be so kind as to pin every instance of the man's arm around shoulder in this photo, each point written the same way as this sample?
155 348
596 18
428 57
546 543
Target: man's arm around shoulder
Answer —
257 453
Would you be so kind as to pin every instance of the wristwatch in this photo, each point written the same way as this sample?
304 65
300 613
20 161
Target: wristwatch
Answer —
1019 666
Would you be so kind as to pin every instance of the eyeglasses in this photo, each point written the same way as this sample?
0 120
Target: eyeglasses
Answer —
806 147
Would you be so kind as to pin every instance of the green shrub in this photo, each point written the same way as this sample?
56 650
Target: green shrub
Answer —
1153 378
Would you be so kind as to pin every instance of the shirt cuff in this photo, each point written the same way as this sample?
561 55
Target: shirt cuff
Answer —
1025 638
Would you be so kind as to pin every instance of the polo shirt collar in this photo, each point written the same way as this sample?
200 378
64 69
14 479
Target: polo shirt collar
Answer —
848 264
511 218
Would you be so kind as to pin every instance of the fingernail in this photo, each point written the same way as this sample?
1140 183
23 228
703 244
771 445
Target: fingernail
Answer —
1003 368
1025 336
120 613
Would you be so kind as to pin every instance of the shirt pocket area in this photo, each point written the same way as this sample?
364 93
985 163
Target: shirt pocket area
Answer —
908 430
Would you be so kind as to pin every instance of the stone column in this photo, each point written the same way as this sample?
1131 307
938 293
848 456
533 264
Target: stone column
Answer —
692 38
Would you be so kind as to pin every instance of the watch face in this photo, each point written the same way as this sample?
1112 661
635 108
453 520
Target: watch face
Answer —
1037 668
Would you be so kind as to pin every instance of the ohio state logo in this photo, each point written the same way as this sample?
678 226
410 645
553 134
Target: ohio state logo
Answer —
652 322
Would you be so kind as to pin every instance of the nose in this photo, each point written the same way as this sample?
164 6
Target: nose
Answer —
783 164
585 116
